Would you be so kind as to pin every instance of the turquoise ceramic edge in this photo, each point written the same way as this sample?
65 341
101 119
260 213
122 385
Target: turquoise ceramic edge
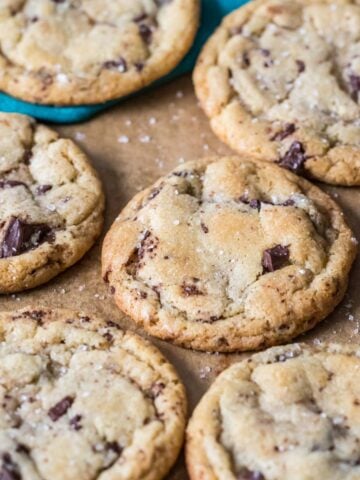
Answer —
212 13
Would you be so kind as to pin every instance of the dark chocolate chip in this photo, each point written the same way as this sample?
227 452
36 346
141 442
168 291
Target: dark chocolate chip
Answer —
108 337
145 32
354 86
294 159
139 66
75 422
58 410
289 129
301 66
246 59
156 389
246 474
9 469
114 447
112 324
21 448
254 203
112 290
204 228
265 52
190 290
42 189
21 236
154 193
120 65
141 17
11 184
275 258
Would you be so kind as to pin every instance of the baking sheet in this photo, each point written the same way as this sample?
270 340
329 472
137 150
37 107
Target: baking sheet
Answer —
131 146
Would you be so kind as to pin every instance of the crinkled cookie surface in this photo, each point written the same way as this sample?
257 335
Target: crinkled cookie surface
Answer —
90 51
80 399
51 203
289 413
228 254
281 80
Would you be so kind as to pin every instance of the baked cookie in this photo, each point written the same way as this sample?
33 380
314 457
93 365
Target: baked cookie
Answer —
280 80
89 51
51 203
82 399
227 255
289 413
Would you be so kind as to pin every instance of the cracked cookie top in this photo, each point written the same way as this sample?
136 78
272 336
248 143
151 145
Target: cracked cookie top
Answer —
51 203
281 80
228 254
90 51
289 413
82 399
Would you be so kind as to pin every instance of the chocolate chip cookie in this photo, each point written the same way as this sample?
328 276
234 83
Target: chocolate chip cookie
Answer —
289 413
229 254
51 203
89 51
280 80
82 399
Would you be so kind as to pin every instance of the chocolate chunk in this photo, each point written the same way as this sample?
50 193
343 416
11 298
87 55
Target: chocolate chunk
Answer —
21 448
301 66
204 228
148 246
9 469
11 184
265 52
154 193
75 422
190 290
275 258
21 236
114 447
156 389
289 129
246 59
254 203
139 66
294 159
108 337
120 65
246 474
41 189
354 86
58 410
145 32
288 203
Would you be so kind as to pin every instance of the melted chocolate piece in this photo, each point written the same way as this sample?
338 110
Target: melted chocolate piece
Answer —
21 236
41 189
58 410
275 258
11 184
9 469
301 66
294 159
145 32
204 228
114 447
120 65
246 474
354 86
190 289
289 129
75 422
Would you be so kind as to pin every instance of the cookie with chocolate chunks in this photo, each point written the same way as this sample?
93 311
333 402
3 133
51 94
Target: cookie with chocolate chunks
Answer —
75 406
51 203
288 413
230 254
73 52
280 80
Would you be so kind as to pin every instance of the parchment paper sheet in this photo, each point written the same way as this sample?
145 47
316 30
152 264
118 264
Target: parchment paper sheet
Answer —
131 146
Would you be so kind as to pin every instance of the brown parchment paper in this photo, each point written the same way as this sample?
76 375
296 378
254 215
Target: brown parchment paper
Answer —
132 145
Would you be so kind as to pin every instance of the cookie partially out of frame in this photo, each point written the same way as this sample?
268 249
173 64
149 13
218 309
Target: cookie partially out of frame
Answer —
88 51
289 413
82 399
51 203
228 254
280 80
